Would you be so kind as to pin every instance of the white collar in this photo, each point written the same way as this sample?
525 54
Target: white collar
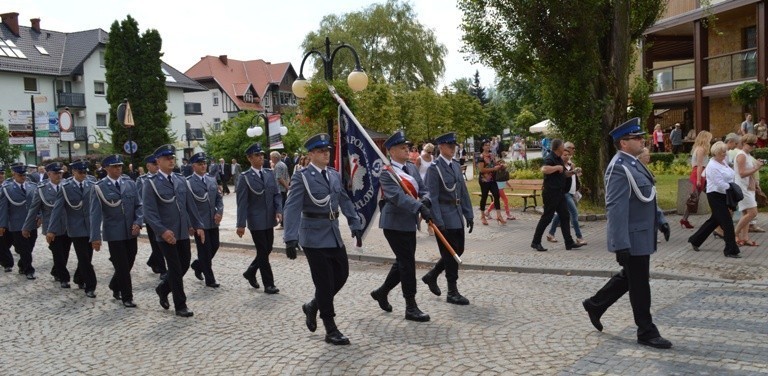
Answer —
447 161
317 168
257 170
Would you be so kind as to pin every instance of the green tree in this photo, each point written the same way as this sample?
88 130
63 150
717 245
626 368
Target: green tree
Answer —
580 51
640 99
134 73
462 85
392 44
8 152
376 108
477 90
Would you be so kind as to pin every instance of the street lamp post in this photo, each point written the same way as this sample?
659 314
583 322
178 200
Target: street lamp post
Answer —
254 130
95 143
357 79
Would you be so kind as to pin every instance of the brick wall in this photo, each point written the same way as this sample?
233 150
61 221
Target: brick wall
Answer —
724 116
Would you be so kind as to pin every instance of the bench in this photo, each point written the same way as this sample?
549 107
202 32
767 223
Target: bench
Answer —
521 188
525 188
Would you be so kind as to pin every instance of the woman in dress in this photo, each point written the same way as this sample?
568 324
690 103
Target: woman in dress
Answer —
487 167
699 159
746 168
424 160
719 175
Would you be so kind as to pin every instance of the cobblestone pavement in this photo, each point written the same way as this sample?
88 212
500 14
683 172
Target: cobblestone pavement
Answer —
517 324
507 248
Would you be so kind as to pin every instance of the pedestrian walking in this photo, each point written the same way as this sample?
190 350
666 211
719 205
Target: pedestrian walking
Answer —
14 207
210 208
633 218
311 221
156 261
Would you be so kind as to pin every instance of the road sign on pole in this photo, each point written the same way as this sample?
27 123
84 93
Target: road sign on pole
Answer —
130 147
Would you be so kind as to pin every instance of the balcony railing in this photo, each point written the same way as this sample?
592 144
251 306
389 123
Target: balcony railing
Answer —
71 100
735 66
675 77
192 108
81 133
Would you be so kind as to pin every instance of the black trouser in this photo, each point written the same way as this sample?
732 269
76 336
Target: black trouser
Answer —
554 202
224 186
60 249
486 187
721 216
403 244
6 258
676 148
205 253
285 197
177 256
633 277
122 253
263 240
455 238
24 247
156 261
84 273
330 269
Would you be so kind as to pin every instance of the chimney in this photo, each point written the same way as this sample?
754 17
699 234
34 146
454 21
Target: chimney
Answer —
223 59
11 21
35 24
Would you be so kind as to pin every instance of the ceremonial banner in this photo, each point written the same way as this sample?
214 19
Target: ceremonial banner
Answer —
361 165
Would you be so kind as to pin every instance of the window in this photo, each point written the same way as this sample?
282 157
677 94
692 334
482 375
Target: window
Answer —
749 58
101 120
749 37
248 97
63 86
101 59
99 88
41 50
168 77
8 48
216 124
30 84
215 98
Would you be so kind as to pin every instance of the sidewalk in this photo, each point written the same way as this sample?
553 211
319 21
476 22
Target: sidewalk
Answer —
507 248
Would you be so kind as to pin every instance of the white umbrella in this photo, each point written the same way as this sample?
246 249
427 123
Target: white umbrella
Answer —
541 127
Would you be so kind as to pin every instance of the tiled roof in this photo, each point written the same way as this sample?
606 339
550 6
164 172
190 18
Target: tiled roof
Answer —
236 76
66 54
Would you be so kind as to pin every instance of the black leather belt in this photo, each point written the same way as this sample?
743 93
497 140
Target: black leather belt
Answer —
456 202
329 215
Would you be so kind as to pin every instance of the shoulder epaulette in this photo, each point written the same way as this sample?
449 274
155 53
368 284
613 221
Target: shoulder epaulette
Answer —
245 172
40 185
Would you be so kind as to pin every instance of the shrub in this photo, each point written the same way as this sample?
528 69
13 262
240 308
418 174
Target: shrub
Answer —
666 158
760 153
657 168
526 174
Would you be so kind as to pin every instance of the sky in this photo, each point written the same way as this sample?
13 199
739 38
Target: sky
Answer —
242 30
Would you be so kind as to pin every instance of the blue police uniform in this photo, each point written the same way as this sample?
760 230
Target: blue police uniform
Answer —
156 260
169 207
208 203
42 206
450 207
258 203
399 217
14 207
72 206
116 218
6 258
311 220
633 219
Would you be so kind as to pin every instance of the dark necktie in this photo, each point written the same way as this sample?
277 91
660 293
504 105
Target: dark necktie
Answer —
170 180
259 173
117 185
325 175
81 187
24 191
405 169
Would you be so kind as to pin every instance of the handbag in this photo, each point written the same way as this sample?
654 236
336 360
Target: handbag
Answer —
693 202
761 198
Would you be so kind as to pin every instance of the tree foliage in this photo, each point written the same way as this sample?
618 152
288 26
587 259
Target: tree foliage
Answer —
747 94
134 72
477 90
392 44
580 51
8 152
640 99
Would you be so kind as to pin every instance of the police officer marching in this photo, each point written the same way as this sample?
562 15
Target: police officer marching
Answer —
14 206
450 203
170 211
6 241
311 221
42 207
155 261
210 208
116 217
260 206
72 206
405 197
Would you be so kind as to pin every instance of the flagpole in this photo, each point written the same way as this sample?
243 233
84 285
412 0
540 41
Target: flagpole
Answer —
343 105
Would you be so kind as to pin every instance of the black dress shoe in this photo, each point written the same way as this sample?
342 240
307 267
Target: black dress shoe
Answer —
90 294
381 297
271 290
163 299
213 285
336 338
252 280
538 247
730 255
198 274
56 279
31 276
695 248
569 247
81 286
311 314
129 304
431 282
457 298
658 342
116 295
8 269
65 285
184 313
593 317
415 314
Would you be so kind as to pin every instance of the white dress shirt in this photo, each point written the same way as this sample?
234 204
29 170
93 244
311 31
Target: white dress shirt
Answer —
718 176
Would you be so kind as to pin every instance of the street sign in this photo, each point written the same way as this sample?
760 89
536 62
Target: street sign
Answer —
130 147
40 98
